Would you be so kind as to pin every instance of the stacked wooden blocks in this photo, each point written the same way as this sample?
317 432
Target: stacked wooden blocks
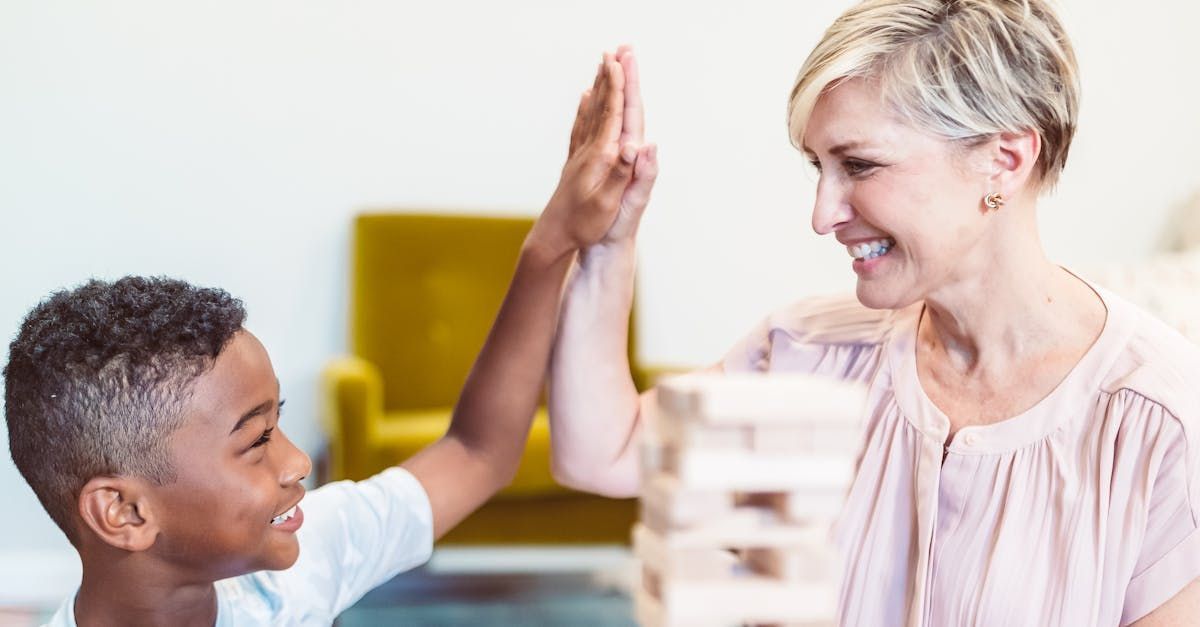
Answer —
741 477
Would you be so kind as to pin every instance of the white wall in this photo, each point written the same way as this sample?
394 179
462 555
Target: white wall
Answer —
230 142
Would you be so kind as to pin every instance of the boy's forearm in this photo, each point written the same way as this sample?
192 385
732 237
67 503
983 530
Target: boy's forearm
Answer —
594 406
503 389
482 447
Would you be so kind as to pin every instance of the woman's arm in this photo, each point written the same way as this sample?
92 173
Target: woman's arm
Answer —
596 414
1182 610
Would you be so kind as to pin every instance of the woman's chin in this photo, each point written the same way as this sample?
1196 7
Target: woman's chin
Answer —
874 295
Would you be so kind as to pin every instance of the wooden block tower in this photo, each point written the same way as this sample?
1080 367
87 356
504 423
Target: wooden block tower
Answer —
741 478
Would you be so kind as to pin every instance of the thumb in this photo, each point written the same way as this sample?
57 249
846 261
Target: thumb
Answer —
620 171
645 172
637 195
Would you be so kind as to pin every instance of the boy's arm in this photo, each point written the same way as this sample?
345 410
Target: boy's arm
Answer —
481 450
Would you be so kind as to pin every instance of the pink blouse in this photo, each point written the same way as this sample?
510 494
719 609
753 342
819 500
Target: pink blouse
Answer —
1083 510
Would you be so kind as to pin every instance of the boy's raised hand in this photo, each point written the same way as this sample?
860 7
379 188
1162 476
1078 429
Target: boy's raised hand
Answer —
606 182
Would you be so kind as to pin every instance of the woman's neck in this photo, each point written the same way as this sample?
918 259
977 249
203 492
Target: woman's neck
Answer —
1012 306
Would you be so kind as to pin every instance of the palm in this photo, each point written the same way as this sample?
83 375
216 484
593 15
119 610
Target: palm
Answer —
606 181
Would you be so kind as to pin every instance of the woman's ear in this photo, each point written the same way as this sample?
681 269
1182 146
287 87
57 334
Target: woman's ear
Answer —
118 510
1013 161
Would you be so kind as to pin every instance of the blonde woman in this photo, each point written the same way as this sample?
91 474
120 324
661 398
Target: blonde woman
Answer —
1032 441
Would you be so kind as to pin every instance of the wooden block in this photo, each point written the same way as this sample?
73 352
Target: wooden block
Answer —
809 505
708 470
746 600
679 431
647 610
814 562
744 528
677 507
758 398
785 439
664 563
821 439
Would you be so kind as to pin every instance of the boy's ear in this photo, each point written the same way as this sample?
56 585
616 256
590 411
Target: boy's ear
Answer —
118 511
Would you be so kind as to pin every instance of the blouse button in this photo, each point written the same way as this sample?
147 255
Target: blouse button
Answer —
970 440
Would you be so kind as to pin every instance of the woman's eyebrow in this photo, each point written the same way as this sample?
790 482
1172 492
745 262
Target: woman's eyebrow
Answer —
838 150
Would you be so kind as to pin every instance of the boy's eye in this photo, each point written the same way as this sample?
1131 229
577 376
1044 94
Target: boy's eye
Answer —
263 439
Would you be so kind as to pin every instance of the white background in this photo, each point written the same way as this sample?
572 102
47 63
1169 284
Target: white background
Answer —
230 142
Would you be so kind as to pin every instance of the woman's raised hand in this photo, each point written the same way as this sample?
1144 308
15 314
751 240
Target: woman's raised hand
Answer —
606 182
637 194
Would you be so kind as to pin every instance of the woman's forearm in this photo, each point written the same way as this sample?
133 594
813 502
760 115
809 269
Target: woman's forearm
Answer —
595 410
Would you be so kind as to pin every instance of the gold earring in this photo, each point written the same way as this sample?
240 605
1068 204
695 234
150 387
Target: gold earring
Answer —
994 200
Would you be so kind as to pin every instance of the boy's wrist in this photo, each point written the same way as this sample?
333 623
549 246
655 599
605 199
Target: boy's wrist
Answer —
543 249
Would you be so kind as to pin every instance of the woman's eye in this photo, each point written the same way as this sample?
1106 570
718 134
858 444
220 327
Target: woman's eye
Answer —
815 164
855 167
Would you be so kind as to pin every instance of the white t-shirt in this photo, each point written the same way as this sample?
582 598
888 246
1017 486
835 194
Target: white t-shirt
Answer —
356 535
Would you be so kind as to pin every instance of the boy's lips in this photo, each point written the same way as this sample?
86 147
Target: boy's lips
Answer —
290 519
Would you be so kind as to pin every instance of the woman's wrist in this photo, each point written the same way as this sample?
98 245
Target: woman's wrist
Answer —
609 254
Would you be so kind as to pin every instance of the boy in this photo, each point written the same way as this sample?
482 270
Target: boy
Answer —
146 420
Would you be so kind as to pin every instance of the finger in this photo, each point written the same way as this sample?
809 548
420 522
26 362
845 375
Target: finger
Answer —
580 122
633 123
645 172
614 104
596 109
614 173
637 196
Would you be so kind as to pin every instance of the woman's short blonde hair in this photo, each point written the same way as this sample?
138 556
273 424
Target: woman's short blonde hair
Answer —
962 69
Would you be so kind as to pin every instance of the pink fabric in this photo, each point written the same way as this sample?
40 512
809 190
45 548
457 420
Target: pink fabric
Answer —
1083 510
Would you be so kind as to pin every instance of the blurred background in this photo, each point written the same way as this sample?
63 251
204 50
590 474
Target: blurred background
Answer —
231 144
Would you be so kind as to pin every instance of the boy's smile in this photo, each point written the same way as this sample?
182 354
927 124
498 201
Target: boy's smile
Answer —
233 507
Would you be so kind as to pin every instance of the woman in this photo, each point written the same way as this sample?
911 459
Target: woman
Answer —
1032 441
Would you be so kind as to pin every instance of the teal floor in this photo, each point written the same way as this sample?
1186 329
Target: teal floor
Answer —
527 600
427 598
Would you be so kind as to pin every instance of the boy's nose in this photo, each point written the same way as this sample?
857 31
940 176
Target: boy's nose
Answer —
298 469
297 465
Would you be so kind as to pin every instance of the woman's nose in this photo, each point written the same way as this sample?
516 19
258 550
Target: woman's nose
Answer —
831 209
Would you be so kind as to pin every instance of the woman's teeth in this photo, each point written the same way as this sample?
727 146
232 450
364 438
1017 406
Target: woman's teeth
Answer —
872 249
284 517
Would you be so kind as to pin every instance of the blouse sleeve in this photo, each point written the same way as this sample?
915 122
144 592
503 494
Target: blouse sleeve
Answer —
1169 556
832 336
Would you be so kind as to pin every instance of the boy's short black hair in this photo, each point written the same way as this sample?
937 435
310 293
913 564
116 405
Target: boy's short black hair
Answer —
97 379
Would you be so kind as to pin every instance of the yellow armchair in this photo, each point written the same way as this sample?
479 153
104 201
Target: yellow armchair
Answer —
424 291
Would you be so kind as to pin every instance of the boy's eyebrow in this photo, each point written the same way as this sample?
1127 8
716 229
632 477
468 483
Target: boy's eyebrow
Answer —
258 410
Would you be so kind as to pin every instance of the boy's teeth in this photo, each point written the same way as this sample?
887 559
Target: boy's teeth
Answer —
284 517
872 249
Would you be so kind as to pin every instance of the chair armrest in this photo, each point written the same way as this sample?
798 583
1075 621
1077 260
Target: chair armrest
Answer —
646 376
352 406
